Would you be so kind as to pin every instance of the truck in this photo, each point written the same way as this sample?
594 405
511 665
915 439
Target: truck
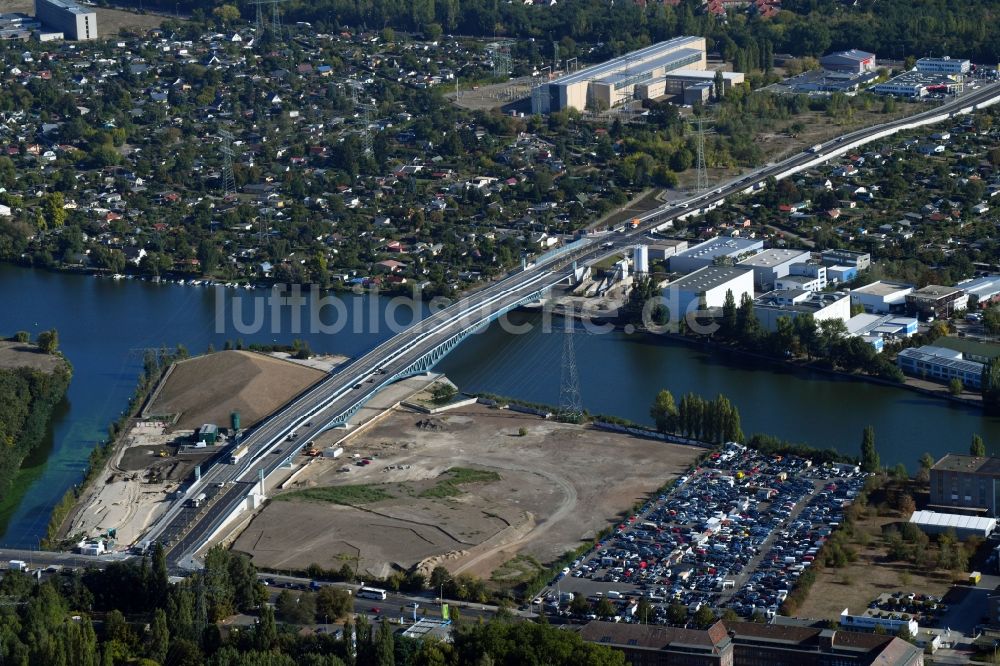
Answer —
333 452
238 453
815 149
197 500
17 565
975 577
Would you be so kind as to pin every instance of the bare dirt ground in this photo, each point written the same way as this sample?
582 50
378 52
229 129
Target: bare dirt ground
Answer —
20 355
559 485
208 388
109 21
135 486
857 584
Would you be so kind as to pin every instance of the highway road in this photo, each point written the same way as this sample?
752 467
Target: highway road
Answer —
184 530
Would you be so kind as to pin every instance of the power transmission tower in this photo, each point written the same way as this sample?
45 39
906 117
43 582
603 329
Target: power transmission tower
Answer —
228 178
500 56
700 165
276 19
261 23
367 118
570 403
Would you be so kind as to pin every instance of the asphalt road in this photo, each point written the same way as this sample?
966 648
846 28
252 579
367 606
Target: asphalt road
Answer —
184 530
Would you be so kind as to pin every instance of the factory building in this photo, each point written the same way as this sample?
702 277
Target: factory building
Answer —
936 300
770 265
945 65
881 297
74 21
706 288
614 82
721 249
773 305
853 61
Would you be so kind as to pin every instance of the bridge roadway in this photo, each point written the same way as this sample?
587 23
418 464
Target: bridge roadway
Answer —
335 399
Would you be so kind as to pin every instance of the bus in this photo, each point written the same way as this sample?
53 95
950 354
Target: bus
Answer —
371 593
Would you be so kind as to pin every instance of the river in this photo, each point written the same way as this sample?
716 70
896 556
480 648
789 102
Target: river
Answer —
105 325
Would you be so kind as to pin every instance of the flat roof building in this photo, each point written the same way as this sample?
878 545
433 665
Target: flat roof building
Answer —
707 287
773 305
860 260
721 249
613 82
940 365
918 84
71 19
854 61
966 483
774 263
945 65
936 300
982 291
881 297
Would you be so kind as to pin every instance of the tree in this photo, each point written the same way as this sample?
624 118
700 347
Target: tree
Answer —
22 336
226 13
704 617
333 603
48 341
955 386
385 646
644 611
926 462
991 387
443 393
664 412
729 314
869 454
978 447
159 637
604 608
579 606
677 613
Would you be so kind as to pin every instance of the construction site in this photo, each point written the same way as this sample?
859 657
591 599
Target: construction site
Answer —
470 488
185 425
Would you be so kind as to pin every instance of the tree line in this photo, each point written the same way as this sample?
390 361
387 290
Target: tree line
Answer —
130 613
713 421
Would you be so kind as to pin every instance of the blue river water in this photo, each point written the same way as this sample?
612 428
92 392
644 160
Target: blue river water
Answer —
105 325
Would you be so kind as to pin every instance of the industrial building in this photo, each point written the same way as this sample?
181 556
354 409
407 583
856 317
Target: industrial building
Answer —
690 84
806 276
74 21
982 291
941 365
966 482
933 523
859 260
936 301
945 65
664 249
750 644
853 61
891 625
707 287
881 326
918 84
18 26
773 305
721 249
614 82
773 263
881 297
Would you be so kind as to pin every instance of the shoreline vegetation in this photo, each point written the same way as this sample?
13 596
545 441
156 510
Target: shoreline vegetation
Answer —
28 398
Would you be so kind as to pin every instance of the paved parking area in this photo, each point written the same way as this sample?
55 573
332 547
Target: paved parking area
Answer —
736 533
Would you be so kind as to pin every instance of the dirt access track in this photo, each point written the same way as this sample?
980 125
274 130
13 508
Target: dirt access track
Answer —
21 355
207 389
558 485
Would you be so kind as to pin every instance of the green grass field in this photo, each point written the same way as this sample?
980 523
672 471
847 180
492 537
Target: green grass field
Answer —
350 495
449 482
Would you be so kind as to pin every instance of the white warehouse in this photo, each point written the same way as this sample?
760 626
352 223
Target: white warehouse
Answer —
881 297
822 306
707 287
721 249
770 265
613 82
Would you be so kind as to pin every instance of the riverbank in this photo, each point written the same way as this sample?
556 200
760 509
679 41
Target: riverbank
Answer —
938 391
32 384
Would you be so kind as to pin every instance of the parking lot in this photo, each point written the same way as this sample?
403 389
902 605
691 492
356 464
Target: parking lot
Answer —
736 533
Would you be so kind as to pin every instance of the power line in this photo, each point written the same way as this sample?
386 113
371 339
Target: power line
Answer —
228 178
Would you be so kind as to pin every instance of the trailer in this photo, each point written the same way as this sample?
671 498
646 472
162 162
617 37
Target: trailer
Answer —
238 453
17 565
197 500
